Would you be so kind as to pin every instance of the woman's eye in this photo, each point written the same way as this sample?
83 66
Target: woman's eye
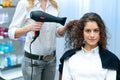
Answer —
88 30
96 30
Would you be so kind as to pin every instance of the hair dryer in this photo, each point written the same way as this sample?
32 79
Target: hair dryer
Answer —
41 16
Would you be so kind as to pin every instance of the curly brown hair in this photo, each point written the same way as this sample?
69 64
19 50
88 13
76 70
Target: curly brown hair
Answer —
74 37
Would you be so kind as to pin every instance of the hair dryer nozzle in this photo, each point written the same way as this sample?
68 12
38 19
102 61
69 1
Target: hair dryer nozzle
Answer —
63 20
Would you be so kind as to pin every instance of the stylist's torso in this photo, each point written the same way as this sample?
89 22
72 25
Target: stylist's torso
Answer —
46 41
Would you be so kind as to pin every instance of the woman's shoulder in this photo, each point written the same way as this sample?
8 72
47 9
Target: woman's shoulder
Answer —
109 59
22 3
68 54
113 62
109 53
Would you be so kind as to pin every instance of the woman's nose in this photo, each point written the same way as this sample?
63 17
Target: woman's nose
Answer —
92 34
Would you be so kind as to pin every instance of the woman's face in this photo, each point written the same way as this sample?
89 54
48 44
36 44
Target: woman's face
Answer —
91 34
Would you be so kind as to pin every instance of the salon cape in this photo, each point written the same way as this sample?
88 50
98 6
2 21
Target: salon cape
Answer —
108 59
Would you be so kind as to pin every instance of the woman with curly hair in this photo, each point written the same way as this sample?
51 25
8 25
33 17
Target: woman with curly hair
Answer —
88 57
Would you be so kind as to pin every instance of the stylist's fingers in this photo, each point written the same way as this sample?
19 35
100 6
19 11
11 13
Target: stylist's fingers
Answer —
39 23
36 26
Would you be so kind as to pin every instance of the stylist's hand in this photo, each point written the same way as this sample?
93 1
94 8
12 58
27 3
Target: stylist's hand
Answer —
36 26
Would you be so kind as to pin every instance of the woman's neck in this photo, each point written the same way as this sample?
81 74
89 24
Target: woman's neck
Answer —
87 47
42 1
43 4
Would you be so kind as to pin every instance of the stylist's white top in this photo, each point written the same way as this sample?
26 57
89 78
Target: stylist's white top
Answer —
86 65
46 42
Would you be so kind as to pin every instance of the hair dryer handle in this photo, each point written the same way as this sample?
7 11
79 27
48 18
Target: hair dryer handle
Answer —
36 34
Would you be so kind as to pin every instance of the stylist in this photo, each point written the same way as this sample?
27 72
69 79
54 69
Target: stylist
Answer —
39 62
